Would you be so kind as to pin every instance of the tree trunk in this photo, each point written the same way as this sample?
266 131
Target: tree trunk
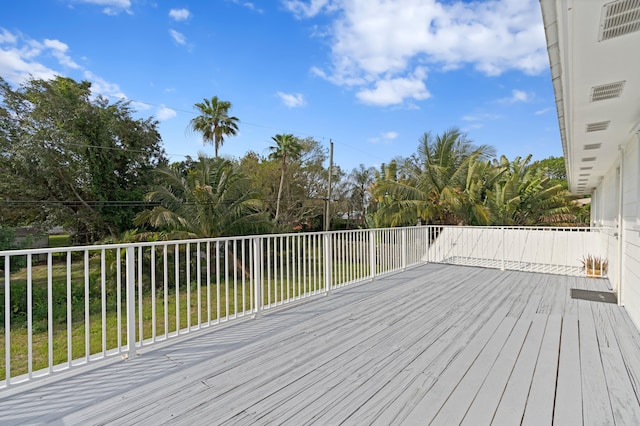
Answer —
280 192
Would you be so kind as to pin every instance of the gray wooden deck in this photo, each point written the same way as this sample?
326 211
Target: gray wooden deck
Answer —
437 344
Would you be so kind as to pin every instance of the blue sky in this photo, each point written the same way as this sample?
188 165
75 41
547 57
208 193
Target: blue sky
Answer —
371 75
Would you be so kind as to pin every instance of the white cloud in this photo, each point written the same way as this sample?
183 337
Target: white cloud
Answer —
516 96
58 50
7 37
390 135
140 106
384 137
375 42
178 37
249 5
304 9
543 111
180 14
56 45
112 7
292 100
165 113
22 58
520 96
100 86
394 91
15 68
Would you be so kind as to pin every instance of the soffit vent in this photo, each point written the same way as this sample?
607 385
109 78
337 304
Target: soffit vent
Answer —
607 91
584 174
592 146
589 159
586 168
619 18
599 126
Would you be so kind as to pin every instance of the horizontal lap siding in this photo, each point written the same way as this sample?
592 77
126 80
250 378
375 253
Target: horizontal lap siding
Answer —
631 224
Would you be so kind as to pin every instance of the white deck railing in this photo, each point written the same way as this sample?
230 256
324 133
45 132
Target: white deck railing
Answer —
70 306
546 250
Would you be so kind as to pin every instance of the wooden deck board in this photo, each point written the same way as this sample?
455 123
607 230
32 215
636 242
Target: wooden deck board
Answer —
486 401
437 342
512 404
541 394
596 409
397 397
619 380
465 390
568 405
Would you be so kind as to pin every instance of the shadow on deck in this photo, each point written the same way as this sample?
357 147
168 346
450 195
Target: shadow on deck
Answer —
437 344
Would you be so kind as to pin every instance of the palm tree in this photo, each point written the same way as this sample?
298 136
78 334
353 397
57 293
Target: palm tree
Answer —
214 122
362 179
211 199
287 148
441 184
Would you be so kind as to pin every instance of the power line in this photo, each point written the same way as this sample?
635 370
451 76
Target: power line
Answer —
136 203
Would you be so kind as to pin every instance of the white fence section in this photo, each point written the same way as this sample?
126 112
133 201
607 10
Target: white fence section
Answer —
64 307
546 250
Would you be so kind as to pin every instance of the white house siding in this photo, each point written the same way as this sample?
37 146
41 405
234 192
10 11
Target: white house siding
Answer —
624 268
631 230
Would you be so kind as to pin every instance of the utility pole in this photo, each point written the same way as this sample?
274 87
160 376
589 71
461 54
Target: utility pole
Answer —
327 213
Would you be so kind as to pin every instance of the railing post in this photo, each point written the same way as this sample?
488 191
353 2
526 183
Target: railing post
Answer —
504 248
257 277
130 301
7 319
372 253
328 267
403 246
427 230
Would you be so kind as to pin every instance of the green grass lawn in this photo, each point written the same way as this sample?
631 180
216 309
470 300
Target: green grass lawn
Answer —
63 281
61 240
40 344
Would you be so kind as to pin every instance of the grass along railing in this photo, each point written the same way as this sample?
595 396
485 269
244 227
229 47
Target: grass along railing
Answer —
62 307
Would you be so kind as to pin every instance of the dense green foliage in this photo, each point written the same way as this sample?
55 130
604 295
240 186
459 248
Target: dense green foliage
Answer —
212 199
451 181
71 160
304 183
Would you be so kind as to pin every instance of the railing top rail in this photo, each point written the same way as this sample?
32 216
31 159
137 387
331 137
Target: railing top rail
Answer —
98 247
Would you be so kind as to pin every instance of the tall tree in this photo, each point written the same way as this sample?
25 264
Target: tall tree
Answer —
287 148
361 180
68 159
304 188
214 122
